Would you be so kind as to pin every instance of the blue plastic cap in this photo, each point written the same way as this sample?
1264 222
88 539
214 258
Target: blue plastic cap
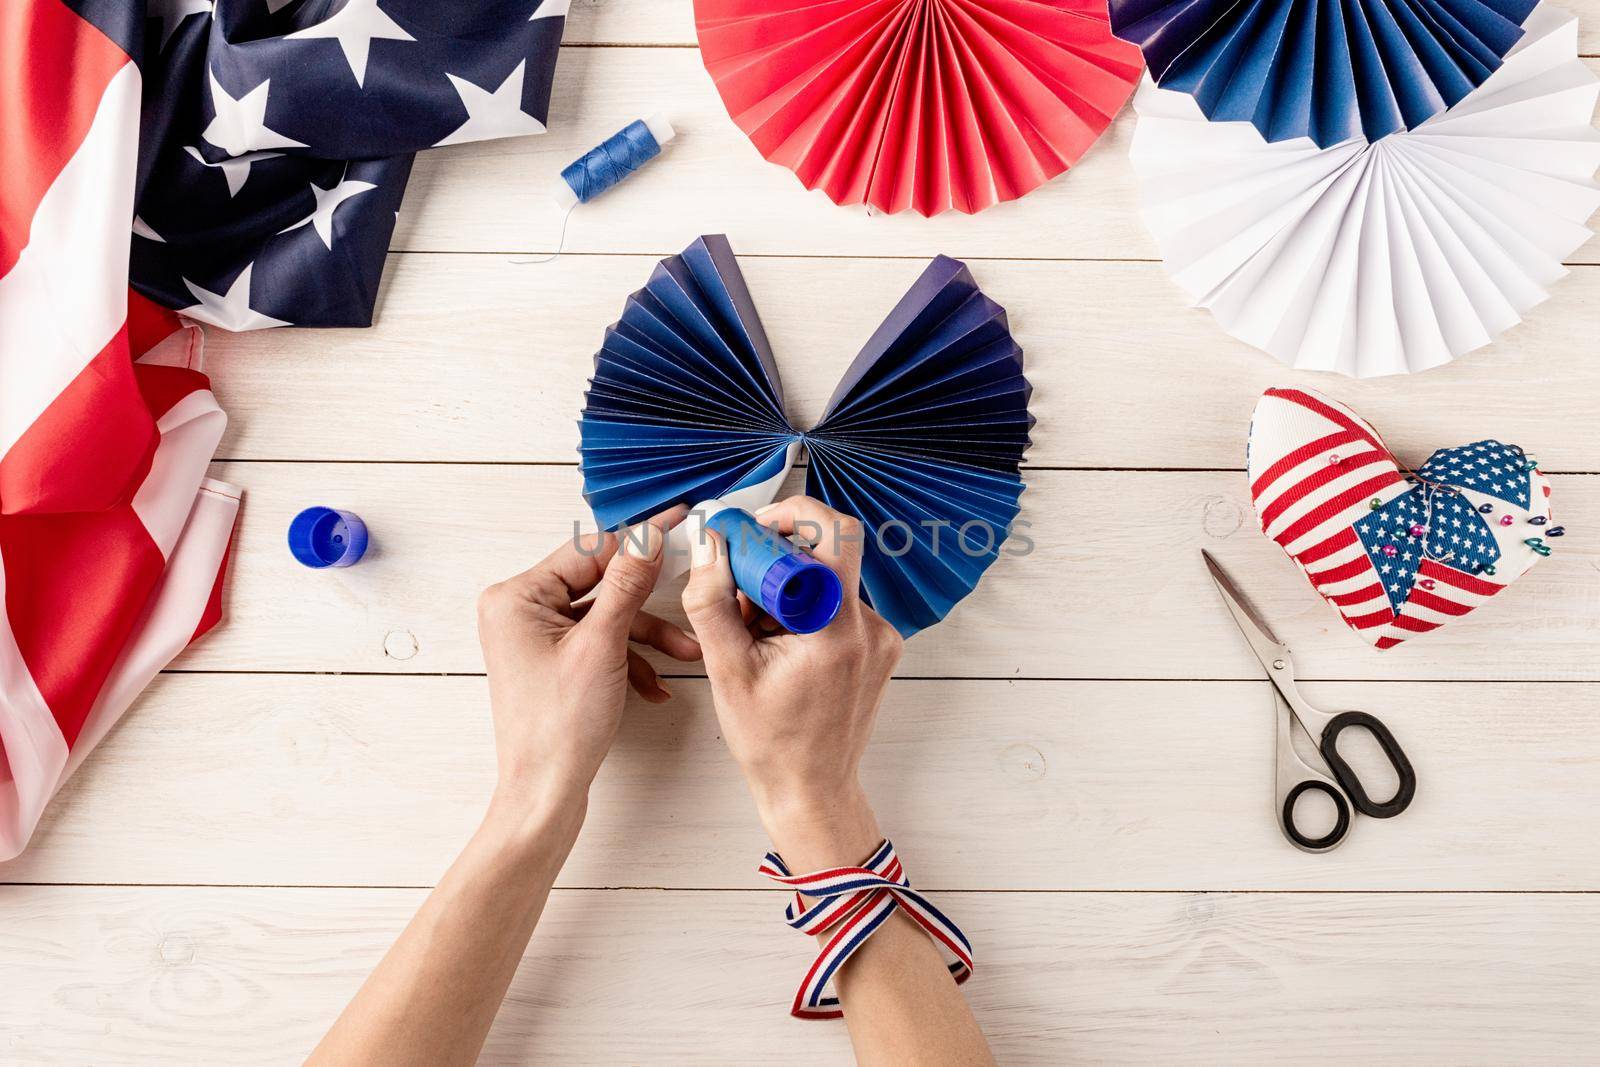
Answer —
801 593
324 537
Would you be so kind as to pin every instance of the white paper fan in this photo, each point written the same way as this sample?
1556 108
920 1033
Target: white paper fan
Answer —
1389 257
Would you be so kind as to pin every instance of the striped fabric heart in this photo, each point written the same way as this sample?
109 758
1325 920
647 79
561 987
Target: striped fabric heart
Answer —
1396 552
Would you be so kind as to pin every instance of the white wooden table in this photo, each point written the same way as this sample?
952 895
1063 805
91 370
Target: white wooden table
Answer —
1091 801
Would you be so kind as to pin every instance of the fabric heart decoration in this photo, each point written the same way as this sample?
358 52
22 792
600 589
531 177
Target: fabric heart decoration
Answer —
1396 552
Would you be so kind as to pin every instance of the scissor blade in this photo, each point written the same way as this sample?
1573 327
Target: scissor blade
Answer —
1256 630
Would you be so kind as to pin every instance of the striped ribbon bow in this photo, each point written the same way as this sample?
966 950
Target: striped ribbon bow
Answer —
858 900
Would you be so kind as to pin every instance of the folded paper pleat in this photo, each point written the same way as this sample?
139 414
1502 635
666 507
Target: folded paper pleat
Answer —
922 441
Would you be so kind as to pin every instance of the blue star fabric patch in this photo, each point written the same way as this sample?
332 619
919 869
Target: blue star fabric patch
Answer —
1488 467
1452 532
276 138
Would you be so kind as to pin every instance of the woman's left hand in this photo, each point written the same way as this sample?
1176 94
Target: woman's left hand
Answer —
559 670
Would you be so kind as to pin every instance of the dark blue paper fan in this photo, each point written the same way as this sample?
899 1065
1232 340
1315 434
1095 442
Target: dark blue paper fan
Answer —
1325 69
922 441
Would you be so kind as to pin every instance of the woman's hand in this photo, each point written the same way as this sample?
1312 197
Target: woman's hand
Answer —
560 669
798 711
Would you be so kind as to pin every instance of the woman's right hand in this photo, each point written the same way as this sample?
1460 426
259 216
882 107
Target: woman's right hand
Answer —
798 710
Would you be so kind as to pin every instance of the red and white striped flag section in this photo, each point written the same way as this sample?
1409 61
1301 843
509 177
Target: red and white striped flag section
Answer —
113 540
853 902
1397 554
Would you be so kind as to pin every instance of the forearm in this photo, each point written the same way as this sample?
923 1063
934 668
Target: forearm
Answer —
899 1001
433 997
902 1006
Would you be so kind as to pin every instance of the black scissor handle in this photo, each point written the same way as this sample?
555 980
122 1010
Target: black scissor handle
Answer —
1347 779
1341 823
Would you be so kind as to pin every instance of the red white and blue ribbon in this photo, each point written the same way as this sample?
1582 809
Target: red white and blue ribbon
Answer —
853 902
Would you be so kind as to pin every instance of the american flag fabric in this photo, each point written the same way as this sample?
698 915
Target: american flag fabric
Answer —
240 163
1396 553
278 136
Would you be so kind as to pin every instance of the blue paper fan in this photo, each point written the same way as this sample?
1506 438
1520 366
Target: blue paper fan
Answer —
922 440
1330 70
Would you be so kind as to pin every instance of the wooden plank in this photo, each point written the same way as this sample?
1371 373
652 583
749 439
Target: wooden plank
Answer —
505 379
1114 587
652 22
494 196
1132 785
241 976
672 22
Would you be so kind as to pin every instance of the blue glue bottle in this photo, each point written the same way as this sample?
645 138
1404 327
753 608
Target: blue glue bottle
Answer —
324 537
791 586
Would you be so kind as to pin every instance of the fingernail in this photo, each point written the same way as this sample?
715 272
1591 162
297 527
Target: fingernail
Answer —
764 509
702 549
643 542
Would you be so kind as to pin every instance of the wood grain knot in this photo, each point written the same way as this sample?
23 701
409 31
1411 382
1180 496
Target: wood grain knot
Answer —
1023 762
400 644
176 950
1222 517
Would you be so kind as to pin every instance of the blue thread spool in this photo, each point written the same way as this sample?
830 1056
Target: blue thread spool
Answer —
323 537
783 578
612 160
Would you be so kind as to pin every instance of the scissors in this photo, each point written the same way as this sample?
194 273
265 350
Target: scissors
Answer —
1296 777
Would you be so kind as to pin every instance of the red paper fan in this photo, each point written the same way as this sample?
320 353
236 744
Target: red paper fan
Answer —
926 104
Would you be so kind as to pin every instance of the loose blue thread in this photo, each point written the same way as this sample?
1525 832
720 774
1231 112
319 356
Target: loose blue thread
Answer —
604 166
